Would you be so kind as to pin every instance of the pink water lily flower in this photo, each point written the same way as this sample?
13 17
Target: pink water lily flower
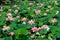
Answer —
11 33
16 11
7 19
54 20
35 29
45 27
24 19
31 22
37 12
17 16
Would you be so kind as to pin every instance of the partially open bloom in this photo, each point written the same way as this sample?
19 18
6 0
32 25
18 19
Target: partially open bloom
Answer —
32 36
49 6
18 20
24 23
24 19
47 10
39 28
42 36
17 16
15 6
11 33
16 11
45 27
9 9
37 33
10 18
7 19
5 28
9 14
35 29
30 3
37 12
45 14
54 20
41 5
31 22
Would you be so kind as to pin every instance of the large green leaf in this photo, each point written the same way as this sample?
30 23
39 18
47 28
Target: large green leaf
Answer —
8 38
21 31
